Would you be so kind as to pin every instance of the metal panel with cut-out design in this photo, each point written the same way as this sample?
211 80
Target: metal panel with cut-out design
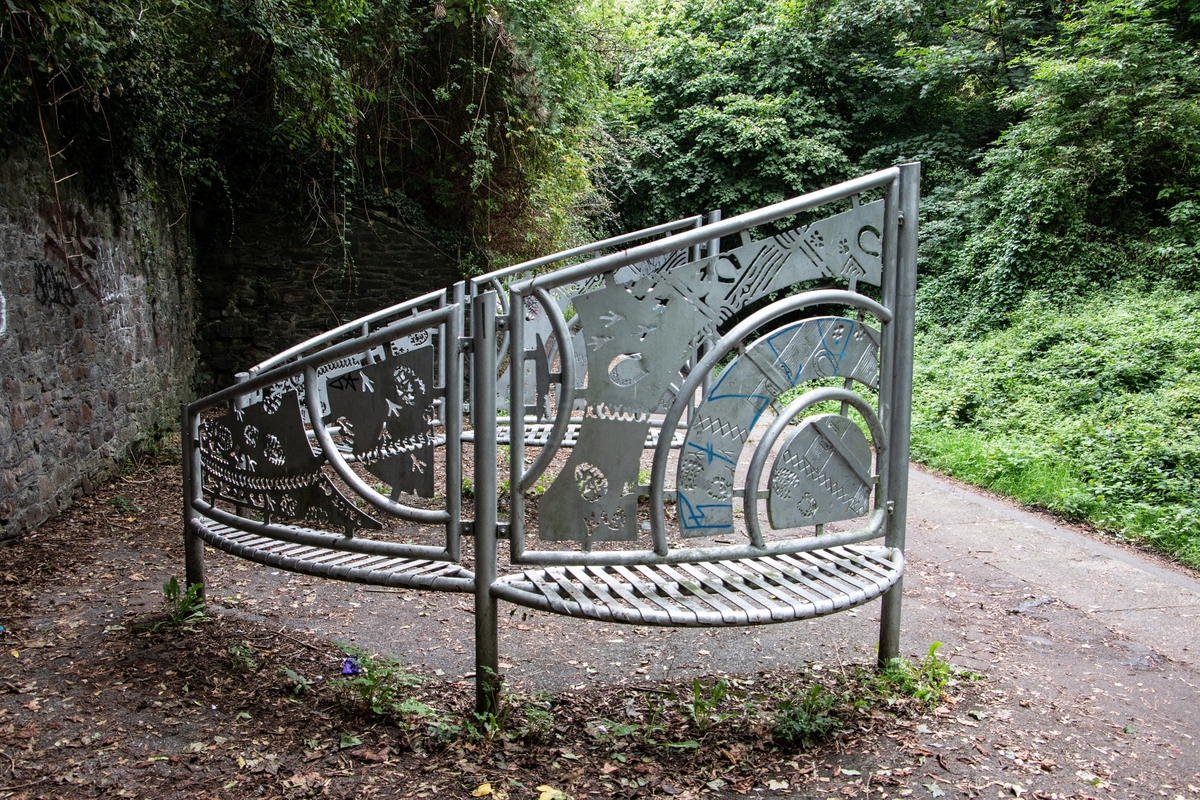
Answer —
822 474
820 347
386 415
636 338
259 457
639 335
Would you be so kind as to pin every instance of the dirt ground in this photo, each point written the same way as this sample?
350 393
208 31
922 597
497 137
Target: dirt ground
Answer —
99 698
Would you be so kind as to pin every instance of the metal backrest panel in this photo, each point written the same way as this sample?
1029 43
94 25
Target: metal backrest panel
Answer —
347 431
639 335
820 347
258 457
336 439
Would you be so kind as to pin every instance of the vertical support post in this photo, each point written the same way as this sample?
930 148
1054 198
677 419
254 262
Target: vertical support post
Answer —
239 402
483 418
516 423
452 413
900 396
713 249
193 545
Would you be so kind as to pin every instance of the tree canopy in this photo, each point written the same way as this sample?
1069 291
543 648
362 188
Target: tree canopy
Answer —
1058 139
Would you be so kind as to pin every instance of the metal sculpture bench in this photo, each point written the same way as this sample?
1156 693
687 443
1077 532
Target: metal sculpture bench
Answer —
667 346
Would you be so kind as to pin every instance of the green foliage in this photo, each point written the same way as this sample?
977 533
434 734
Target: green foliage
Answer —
300 684
703 703
464 110
380 687
182 607
1089 409
808 719
242 657
815 712
1096 182
739 103
925 682
124 505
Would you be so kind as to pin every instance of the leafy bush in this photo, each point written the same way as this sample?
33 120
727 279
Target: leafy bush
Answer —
1089 409
1097 180
464 111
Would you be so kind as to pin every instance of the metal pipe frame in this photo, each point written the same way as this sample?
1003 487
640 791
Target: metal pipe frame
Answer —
483 418
193 545
904 198
361 324
566 399
542 261
331 541
549 558
428 319
497 325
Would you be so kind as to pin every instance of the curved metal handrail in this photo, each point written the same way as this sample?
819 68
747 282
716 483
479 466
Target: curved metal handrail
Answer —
566 400
713 232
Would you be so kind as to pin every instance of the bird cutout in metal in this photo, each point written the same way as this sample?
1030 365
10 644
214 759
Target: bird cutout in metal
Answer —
820 347
259 457
823 474
636 338
386 415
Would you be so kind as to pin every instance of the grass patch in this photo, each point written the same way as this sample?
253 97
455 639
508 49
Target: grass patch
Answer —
1090 410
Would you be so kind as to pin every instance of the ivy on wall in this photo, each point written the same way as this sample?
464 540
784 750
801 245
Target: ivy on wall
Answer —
461 110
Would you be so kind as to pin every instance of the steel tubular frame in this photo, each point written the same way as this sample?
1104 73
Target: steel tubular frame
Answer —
288 466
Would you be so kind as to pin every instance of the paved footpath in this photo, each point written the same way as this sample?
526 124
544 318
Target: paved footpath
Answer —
1090 649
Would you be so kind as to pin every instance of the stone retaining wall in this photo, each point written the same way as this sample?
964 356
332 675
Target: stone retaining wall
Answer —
96 339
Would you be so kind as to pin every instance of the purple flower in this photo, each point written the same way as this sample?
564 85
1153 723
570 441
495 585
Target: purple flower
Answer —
350 666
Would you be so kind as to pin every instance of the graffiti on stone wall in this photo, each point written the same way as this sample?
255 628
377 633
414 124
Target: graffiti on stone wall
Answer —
51 286
3 313
71 248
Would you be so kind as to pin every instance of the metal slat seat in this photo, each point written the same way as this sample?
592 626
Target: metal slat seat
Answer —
748 591
327 562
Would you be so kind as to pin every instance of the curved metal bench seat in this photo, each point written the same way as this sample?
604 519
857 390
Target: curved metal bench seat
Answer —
748 591
756 380
323 562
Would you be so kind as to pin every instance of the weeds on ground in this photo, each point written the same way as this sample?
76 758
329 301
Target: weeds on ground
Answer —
377 684
182 607
818 711
808 719
780 712
701 706
242 657
125 506
925 682
299 684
